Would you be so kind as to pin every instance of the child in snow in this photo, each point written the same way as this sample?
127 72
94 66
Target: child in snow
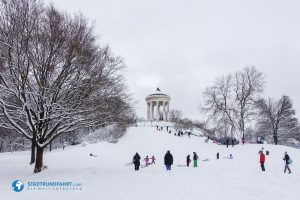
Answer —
147 160
188 160
153 160
262 160
287 160
195 158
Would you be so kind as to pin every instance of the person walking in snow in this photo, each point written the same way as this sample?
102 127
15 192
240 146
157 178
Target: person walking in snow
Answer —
262 160
147 160
167 128
287 160
136 161
227 142
195 158
152 160
168 160
188 160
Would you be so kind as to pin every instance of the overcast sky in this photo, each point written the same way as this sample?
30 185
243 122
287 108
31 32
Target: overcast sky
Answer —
182 46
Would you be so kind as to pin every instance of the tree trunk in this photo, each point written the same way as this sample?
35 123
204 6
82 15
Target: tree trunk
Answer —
32 154
1 145
11 147
275 138
39 160
50 146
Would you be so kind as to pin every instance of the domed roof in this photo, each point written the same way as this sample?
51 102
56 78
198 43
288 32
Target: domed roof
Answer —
158 94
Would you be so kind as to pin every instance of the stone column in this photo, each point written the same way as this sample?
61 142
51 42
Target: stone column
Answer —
164 111
151 111
148 111
167 112
157 110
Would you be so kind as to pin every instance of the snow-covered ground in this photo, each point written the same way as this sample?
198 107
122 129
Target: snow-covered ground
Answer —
106 176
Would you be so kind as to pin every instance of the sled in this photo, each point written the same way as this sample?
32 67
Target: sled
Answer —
143 166
128 164
181 165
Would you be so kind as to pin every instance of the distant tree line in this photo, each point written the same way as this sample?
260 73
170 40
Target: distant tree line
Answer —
55 77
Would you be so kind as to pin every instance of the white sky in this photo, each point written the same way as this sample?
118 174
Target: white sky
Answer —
182 46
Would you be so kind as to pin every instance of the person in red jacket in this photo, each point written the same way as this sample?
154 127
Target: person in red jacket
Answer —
262 160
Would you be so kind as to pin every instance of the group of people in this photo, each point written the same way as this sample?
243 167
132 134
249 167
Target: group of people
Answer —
147 159
136 161
260 140
233 141
195 159
168 160
162 128
286 158
176 133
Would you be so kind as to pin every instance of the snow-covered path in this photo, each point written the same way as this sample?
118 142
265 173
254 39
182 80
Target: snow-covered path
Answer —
107 177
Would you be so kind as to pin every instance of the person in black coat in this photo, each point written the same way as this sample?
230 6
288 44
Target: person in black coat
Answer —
188 160
286 158
168 160
136 161
227 142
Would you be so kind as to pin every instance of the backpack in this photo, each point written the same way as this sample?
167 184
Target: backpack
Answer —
290 161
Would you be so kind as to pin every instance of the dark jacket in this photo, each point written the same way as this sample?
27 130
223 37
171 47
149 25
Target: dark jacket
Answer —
188 159
286 158
168 159
136 159
195 157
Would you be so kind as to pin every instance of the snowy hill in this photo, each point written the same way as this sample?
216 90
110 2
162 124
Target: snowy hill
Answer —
107 177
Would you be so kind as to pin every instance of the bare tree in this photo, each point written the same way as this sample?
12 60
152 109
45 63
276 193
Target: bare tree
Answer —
248 84
277 117
54 77
219 102
175 115
230 101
